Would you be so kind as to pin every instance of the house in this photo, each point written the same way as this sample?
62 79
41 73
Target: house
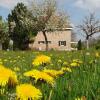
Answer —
57 40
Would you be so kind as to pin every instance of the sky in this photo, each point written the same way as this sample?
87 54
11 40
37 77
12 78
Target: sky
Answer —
76 9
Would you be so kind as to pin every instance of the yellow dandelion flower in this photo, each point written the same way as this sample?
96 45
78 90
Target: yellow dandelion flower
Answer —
59 61
7 77
28 92
65 63
39 75
78 98
66 69
41 60
16 69
77 61
74 64
53 73
82 98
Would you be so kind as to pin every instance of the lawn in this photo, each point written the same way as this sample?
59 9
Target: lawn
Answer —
76 77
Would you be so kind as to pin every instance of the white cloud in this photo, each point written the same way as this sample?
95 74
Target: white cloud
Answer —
88 4
84 4
9 4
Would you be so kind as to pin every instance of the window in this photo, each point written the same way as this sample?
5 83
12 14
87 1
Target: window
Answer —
43 42
62 43
49 42
40 42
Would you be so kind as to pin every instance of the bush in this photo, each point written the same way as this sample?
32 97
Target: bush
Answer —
79 45
97 47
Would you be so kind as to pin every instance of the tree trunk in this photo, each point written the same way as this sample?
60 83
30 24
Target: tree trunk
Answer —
0 46
87 42
46 40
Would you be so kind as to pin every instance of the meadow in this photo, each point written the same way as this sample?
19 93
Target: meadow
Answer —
55 75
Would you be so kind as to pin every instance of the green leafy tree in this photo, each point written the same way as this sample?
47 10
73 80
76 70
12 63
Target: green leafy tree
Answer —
20 26
4 36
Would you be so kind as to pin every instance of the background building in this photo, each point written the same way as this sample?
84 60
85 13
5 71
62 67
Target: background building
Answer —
57 40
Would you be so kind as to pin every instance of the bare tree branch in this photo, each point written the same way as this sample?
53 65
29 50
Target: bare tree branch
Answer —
90 26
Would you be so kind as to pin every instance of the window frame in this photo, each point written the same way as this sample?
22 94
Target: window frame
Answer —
44 42
62 43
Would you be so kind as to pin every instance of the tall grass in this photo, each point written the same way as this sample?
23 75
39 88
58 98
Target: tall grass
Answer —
83 81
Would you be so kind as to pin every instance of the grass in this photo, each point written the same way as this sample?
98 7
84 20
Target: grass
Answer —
83 81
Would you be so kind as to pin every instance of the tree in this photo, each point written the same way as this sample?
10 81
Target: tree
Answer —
79 45
20 26
4 36
90 26
48 18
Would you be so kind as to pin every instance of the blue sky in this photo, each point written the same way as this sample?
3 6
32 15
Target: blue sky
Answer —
76 9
